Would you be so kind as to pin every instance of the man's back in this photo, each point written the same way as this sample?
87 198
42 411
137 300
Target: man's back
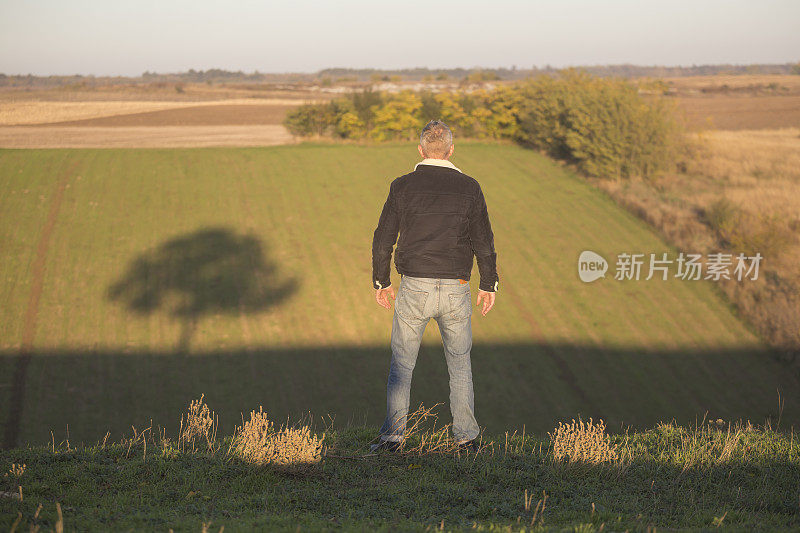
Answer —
442 220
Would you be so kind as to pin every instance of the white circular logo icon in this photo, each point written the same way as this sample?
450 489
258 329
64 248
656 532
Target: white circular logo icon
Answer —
591 266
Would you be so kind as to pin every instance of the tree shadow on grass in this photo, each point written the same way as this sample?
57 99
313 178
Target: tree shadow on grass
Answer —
212 270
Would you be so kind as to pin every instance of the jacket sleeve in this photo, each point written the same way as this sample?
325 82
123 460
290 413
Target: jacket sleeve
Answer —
482 241
383 241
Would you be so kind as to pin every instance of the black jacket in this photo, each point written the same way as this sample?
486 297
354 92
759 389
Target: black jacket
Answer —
442 219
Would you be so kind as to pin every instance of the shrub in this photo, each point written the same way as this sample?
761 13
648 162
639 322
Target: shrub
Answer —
363 103
602 125
309 120
398 118
746 232
722 215
349 126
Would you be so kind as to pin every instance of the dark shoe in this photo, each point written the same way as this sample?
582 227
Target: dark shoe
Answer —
385 446
469 446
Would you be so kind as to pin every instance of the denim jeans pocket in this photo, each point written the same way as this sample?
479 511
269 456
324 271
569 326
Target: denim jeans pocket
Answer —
411 303
460 305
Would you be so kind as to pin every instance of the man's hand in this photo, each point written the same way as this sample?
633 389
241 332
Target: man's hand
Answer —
488 301
382 296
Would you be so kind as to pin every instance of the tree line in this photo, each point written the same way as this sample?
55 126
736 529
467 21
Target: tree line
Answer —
424 74
602 125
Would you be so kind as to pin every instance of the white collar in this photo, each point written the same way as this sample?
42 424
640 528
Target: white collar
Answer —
437 163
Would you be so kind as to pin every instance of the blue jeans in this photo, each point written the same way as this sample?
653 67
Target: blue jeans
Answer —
448 302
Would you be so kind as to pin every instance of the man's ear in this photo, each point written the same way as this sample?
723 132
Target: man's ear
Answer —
450 153
421 153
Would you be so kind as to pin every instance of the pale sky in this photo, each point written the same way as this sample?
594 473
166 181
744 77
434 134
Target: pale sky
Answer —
122 37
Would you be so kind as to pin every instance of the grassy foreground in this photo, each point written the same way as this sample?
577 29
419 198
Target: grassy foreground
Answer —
664 478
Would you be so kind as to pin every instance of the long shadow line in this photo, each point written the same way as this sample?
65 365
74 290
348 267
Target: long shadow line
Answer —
89 389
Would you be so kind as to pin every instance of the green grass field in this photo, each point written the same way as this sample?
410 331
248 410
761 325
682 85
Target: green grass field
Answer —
132 281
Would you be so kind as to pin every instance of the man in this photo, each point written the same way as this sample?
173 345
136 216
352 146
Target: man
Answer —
441 216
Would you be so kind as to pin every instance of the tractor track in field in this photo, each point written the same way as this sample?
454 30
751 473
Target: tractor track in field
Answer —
17 397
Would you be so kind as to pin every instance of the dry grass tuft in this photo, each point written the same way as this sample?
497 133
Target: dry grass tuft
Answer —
291 446
199 424
422 437
582 441
16 470
249 441
427 441
258 442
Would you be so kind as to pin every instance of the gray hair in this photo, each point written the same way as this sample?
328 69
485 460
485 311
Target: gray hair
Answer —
436 139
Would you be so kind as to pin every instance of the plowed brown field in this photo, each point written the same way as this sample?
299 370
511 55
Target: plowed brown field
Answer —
204 115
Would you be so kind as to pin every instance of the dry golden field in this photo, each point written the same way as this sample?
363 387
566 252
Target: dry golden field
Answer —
737 102
785 84
759 170
148 112
740 112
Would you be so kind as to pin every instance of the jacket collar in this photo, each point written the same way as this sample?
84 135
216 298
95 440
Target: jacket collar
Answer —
437 163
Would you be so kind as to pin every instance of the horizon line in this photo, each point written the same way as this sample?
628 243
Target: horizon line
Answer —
512 68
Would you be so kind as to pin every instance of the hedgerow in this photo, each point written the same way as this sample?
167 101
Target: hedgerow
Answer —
603 126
